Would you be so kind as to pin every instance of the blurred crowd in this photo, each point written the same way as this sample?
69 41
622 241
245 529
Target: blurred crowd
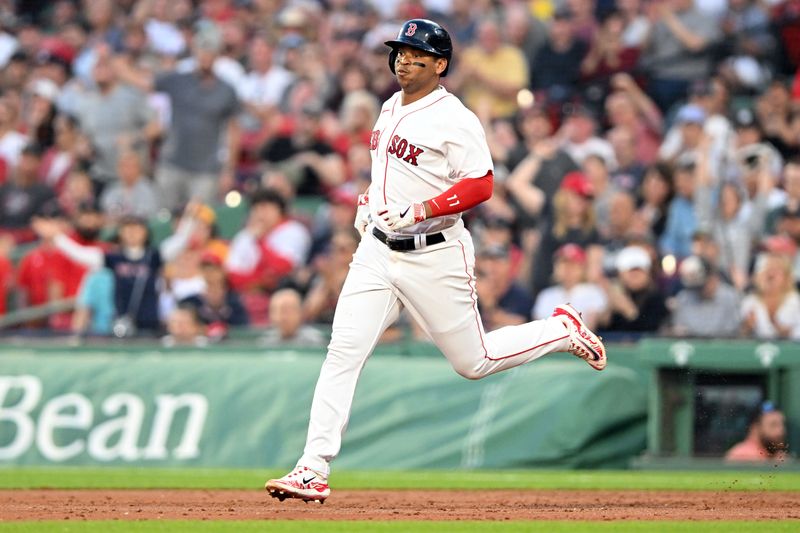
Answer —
647 161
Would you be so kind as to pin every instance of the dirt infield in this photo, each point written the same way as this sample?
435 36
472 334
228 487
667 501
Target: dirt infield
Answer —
399 505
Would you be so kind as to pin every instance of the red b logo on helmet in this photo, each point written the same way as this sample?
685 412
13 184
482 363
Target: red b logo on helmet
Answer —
412 29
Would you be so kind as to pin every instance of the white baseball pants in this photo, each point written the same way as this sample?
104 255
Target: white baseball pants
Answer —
437 286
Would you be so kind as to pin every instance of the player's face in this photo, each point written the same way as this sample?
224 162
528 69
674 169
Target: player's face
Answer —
416 69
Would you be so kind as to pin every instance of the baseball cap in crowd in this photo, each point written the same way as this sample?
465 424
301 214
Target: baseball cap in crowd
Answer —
208 37
571 252
745 118
57 49
45 88
577 182
690 114
694 271
633 257
780 244
494 251
343 196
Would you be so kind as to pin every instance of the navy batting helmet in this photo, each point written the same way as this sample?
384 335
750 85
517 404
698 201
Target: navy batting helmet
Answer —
424 35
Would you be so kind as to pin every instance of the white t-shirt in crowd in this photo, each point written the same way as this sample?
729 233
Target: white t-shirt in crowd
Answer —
788 316
587 298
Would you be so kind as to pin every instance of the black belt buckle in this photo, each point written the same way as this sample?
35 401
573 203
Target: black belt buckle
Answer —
407 244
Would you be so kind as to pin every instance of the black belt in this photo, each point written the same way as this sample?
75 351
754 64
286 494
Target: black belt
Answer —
406 244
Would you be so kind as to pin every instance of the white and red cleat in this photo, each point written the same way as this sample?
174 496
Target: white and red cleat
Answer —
582 341
301 483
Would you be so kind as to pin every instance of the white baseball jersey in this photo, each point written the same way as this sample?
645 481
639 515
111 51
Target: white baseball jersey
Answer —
420 150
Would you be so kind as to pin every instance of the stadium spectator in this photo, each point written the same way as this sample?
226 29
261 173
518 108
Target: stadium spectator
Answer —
656 196
635 303
218 307
266 81
630 172
501 300
491 72
525 32
766 437
677 49
131 193
310 162
331 269
184 329
747 45
704 307
39 111
69 151
555 72
734 224
270 246
136 266
785 220
538 165
689 124
94 301
595 169
578 136
629 106
287 327
608 55
11 141
676 240
24 196
772 309
77 191
571 286
94 305
204 111
573 222
45 275
337 214
115 117
583 18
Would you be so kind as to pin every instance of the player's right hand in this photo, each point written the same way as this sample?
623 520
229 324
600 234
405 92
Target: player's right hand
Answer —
362 214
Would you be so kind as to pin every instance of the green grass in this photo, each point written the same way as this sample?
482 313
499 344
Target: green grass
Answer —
391 527
99 478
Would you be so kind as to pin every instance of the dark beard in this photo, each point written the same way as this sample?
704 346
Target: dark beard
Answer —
772 447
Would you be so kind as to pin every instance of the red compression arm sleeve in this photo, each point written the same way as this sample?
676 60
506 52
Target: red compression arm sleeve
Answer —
464 195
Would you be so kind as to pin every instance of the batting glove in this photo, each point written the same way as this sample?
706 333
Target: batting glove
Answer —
362 214
401 216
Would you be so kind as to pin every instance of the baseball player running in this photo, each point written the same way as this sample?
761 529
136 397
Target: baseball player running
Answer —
430 162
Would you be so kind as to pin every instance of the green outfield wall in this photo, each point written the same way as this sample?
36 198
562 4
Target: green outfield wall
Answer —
245 407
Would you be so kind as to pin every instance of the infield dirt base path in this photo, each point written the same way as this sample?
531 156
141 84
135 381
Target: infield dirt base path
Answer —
52 504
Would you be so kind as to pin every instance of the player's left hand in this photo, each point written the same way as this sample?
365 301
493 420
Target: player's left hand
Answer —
401 216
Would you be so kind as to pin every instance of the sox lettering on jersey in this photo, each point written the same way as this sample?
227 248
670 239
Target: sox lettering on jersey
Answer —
404 150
